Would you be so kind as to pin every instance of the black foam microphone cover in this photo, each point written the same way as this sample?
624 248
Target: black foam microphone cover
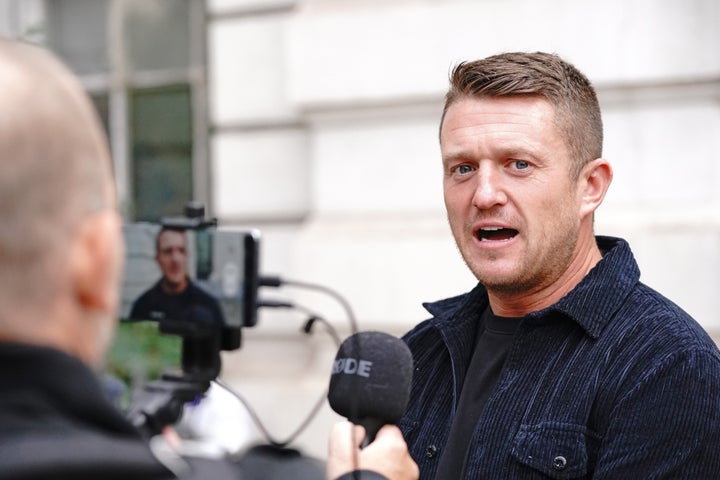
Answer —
370 381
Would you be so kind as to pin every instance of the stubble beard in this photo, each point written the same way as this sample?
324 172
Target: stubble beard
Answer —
529 273
173 287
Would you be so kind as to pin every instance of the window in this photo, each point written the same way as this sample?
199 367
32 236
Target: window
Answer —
161 150
142 61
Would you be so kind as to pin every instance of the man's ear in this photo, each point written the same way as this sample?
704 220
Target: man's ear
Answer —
95 261
595 179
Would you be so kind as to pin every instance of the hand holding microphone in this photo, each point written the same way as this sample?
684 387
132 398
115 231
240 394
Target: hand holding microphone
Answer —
370 386
370 381
387 455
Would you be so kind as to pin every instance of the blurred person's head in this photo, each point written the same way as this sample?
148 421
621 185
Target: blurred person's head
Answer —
171 256
60 238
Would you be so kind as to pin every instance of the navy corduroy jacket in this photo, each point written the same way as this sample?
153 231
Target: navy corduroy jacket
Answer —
614 381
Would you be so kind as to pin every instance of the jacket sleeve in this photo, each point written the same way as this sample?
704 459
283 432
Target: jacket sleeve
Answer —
666 425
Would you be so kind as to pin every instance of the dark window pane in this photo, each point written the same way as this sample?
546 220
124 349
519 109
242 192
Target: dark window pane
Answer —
157 34
102 105
162 151
76 31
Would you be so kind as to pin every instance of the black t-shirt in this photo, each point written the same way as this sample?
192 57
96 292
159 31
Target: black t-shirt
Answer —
494 338
191 305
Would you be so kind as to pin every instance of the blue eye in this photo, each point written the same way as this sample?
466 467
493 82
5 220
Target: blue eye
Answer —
464 169
521 164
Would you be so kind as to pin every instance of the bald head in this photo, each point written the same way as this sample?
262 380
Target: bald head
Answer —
54 156
56 173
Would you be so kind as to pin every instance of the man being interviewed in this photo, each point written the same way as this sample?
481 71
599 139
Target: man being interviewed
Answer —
560 363
175 296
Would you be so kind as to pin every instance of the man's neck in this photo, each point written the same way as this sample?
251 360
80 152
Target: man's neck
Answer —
519 304
173 288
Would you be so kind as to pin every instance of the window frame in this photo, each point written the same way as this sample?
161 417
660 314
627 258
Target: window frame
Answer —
119 83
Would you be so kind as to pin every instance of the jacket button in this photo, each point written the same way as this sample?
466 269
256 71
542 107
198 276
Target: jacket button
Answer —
431 451
559 463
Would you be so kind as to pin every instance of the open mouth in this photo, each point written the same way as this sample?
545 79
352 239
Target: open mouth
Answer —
487 234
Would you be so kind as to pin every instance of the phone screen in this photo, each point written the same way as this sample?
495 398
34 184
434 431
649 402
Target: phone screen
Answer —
140 354
206 276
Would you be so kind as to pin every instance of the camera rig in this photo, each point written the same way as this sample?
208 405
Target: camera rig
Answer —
160 403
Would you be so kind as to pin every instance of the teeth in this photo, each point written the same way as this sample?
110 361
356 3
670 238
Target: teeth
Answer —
494 234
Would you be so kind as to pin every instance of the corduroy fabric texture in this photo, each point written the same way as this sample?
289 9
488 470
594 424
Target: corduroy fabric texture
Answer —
612 382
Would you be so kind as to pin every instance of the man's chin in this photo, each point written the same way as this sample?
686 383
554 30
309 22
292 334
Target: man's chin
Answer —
502 281
171 285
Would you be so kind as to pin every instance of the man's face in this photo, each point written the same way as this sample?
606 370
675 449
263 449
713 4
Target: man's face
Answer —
172 257
511 202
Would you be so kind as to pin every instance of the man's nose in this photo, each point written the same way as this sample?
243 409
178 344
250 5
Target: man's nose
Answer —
489 191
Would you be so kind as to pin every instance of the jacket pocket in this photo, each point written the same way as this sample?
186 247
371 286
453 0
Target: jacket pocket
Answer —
558 450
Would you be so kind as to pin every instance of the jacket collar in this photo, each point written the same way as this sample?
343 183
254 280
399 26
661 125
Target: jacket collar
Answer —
591 304
59 385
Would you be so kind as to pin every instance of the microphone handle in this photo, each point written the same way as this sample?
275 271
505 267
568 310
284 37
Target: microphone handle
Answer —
372 426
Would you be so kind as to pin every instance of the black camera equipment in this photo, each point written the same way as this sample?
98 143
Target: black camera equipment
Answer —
160 403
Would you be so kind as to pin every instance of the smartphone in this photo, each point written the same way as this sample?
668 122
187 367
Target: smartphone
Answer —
178 283
206 276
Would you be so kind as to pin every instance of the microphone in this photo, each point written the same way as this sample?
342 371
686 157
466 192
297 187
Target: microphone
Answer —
370 381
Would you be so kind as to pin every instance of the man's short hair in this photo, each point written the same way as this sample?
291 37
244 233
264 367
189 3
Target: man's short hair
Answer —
577 112
161 232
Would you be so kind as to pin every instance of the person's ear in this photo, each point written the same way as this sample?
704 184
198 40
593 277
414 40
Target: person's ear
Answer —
595 179
96 256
